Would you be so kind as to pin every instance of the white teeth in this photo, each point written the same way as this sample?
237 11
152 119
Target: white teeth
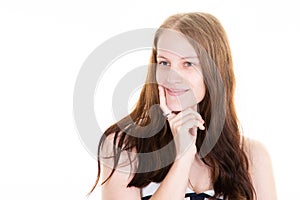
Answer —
176 90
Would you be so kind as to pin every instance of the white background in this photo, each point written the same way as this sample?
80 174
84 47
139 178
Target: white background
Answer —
44 43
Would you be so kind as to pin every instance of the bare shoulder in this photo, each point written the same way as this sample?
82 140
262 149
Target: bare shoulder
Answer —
127 159
116 186
256 151
260 169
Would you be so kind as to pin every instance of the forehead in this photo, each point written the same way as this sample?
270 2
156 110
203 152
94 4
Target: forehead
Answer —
175 42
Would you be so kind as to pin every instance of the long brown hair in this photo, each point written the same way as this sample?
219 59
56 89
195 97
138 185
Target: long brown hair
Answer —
227 159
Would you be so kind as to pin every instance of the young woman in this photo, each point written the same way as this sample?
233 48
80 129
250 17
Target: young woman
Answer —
190 147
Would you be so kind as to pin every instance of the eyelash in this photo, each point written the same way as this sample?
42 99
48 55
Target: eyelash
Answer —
165 63
189 63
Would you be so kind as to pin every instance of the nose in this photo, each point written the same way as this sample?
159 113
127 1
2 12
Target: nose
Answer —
173 76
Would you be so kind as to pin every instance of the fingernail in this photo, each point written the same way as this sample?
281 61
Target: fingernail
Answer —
201 127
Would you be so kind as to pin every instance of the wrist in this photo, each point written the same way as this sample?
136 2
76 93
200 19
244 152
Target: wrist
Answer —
187 156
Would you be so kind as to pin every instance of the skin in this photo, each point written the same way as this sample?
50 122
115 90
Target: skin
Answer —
179 71
188 166
181 87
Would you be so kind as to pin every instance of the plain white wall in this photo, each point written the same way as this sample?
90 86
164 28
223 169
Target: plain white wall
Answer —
44 44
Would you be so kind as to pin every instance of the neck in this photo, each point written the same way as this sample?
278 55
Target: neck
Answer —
195 107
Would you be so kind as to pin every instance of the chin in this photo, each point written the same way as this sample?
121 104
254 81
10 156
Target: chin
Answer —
178 108
175 108
180 103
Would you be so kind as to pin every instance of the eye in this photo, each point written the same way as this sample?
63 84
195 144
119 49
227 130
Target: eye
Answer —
163 63
188 64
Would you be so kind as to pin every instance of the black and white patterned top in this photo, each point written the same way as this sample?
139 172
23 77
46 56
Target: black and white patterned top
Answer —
150 189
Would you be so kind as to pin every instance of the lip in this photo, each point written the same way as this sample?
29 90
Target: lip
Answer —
176 92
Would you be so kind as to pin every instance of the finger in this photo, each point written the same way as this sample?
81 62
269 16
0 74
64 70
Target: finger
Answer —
162 100
191 127
193 131
187 118
198 123
195 124
188 113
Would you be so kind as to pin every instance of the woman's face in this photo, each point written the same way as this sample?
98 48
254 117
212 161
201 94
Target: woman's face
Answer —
179 71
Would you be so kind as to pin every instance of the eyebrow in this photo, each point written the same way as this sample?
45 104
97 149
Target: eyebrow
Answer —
187 57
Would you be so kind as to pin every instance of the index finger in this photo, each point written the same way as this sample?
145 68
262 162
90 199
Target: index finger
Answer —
162 100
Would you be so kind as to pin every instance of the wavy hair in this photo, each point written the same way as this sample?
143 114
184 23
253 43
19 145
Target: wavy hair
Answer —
227 159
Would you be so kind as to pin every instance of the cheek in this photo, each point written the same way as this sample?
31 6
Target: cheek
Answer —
161 75
198 88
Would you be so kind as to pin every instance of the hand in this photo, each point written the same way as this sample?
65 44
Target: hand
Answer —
184 126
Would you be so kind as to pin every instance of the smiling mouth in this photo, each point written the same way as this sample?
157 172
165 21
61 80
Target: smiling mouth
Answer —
176 92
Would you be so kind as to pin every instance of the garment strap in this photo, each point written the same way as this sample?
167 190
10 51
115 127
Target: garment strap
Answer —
191 196
194 196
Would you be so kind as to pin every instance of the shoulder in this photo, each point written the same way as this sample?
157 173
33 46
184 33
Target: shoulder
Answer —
110 151
260 169
256 151
258 156
118 175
